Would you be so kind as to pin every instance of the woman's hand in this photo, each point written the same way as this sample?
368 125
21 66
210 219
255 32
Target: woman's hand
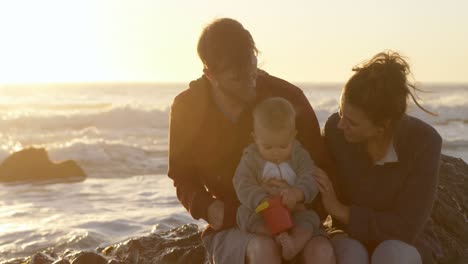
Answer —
329 199
289 198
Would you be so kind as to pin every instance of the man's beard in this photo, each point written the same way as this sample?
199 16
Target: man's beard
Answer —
244 97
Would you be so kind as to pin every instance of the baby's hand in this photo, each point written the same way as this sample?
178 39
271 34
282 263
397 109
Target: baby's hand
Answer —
274 187
289 198
271 190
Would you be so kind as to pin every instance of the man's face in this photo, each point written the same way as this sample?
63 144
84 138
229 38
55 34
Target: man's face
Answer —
238 85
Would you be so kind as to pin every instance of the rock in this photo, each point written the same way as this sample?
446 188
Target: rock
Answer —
33 164
61 261
41 258
180 245
88 258
449 219
446 233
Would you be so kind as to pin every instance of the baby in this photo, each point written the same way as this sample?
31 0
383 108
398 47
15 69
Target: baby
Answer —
275 159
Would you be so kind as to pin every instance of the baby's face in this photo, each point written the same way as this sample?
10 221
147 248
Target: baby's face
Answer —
274 146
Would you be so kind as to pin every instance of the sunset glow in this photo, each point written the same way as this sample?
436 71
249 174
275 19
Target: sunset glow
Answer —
154 41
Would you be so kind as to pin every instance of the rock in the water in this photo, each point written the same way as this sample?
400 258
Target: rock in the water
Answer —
446 234
41 258
61 261
177 246
33 164
180 245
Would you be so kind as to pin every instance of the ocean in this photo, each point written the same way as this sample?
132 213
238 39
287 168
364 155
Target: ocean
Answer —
118 134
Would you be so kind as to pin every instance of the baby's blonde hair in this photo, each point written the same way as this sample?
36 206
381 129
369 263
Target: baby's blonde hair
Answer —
275 113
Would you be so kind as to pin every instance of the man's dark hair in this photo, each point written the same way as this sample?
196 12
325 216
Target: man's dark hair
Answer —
225 44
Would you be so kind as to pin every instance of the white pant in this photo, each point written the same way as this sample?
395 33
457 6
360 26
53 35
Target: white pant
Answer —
348 250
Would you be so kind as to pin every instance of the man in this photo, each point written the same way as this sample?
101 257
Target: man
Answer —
211 124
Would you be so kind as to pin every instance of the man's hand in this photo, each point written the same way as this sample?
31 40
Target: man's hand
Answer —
216 214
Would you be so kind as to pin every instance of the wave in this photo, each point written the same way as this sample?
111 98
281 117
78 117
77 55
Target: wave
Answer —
133 117
115 160
455 144
30 242
87 214
110 160
116 118
445 113
106 160
62 106
3 154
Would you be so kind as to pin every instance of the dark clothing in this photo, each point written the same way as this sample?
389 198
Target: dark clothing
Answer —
205 146
393 200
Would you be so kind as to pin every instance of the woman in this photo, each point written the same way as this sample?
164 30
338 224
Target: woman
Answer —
387 166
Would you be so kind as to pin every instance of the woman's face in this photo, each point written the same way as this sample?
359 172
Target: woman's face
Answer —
356 125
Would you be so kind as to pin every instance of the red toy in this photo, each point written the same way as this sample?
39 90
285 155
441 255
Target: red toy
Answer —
277 217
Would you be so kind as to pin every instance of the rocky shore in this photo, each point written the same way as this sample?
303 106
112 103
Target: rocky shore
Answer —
446 233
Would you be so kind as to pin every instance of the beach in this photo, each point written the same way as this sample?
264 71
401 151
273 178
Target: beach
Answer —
118 134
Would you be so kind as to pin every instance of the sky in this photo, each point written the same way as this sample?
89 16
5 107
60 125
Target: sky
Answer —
155 41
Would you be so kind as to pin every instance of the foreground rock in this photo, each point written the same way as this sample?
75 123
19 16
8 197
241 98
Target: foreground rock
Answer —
449 221
33 164
447 227
180 245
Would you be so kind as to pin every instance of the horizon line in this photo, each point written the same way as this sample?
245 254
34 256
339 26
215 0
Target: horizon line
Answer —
124 82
